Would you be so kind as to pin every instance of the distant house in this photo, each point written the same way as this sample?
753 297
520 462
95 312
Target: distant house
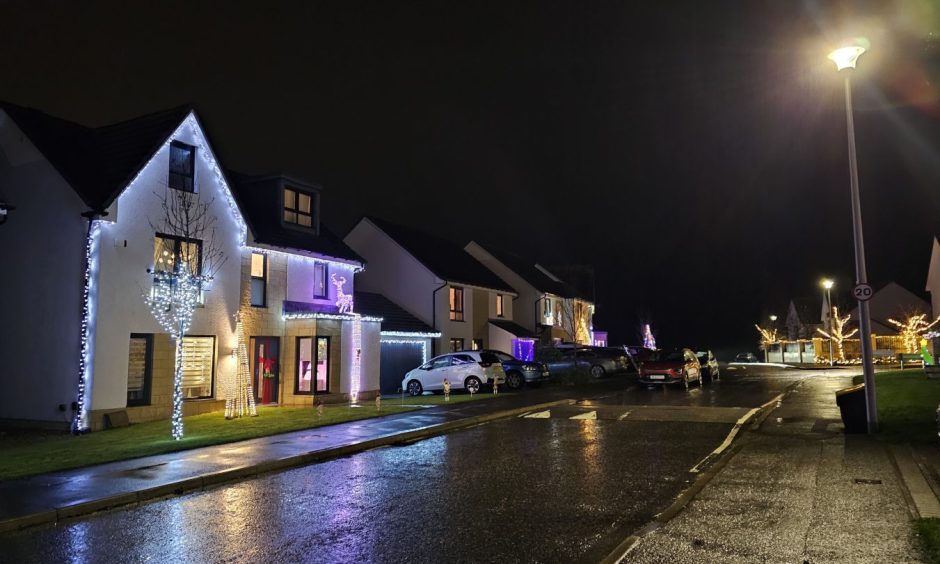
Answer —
892 301
804 316
547 307
434 280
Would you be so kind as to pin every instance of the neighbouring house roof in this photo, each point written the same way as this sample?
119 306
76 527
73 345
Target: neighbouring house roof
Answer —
394 318
808 311
260 202
97 162
528 271
445 259
513 328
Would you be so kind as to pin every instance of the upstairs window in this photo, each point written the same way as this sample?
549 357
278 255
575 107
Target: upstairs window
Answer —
499 305
182 167
298 207
456 303
319 280
259 279
176 254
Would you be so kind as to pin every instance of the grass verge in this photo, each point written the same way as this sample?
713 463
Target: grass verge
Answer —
928 530
30 453
907 405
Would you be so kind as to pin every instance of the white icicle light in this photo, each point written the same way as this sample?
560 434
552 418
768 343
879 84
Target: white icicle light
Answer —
89 293
422 342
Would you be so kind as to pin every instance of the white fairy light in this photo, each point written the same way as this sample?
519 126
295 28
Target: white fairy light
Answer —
418 334
332 316
241 400
357 362
296 254
89 299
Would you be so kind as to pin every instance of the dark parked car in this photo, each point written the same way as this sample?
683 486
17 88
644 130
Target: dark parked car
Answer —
519 372
676 367
745 357
595 361
709 364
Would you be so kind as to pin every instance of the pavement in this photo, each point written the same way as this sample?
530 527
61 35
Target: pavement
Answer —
796 489
49 498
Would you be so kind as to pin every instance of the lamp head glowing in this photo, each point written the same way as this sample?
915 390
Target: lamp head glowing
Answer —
827 284
846 57
773 317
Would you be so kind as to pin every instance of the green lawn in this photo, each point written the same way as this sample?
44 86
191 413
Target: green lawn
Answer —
29 453
907 405
929 532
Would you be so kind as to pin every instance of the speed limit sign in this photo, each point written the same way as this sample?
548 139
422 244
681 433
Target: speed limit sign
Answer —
862 292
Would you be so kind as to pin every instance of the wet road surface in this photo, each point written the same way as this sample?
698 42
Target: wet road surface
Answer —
568 485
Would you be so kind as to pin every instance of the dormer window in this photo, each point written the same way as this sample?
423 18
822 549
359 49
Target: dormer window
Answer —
182 167
298 207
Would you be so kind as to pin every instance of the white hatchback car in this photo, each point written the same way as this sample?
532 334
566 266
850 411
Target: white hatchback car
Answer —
465 370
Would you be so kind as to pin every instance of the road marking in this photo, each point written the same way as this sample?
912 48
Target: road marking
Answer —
734 431
588 415
624 416
540 414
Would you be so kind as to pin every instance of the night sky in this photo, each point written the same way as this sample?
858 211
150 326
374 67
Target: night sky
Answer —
694 153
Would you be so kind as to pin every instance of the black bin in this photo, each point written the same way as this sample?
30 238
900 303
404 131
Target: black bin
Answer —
851 402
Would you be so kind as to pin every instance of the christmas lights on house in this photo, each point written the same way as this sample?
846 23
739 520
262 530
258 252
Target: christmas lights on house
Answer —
89 295
241 399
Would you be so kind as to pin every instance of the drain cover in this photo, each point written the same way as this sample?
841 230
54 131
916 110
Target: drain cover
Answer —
867 481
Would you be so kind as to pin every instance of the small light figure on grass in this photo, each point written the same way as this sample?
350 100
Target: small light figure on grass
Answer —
378 403
318 404
447 389
495 386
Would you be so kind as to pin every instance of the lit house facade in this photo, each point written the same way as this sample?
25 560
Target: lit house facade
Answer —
547 306
434 280
87 241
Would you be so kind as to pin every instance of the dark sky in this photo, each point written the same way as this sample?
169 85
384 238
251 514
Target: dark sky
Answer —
694 153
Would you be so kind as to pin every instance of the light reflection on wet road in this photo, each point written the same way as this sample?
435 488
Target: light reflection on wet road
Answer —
526 490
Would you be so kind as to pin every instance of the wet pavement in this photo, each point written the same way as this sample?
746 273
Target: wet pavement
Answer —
799 490
568 485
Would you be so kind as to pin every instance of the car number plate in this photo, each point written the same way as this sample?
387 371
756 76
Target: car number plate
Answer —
657 377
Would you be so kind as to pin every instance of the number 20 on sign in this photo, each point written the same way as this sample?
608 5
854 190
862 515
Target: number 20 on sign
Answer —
862 292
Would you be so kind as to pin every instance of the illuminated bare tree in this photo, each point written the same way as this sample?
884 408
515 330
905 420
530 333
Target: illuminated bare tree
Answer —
913 329
767 338
186 258
573 314
838 333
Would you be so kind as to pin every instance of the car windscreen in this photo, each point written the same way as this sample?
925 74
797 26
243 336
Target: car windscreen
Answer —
489 358
673 356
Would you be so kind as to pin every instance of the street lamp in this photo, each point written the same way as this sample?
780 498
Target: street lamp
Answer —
845 58
773 328
827 284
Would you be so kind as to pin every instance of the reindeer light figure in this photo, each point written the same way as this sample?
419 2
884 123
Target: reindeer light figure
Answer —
344 301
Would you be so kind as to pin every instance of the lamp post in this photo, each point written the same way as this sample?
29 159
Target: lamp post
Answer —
827 284
845 59
773 327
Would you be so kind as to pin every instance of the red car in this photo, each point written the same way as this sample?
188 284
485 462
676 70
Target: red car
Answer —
676 367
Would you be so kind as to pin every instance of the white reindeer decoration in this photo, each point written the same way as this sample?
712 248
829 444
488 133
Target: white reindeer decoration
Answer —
344 301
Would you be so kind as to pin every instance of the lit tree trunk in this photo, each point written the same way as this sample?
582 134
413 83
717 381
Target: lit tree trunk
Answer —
178 387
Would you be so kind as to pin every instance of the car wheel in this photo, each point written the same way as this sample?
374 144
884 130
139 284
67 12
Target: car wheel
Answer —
415 388
514 380
472 384
597 371
685 379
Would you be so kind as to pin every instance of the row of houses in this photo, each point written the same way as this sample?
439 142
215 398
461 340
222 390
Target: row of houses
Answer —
85 231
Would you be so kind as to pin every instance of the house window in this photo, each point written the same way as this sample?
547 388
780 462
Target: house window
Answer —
313 365
182 166
177 254
499 305
259 279
476 344
456 344
456 303
298 207
139 369
198 362
319 280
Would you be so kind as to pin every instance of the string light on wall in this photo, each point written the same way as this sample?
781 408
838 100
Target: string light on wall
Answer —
332 316
357 358
418 334
423 343
89 300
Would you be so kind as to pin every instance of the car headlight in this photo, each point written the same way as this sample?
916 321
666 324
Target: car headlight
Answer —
530 367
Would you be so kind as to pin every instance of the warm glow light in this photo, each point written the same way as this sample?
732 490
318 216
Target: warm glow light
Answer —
773 317
845 57
827 284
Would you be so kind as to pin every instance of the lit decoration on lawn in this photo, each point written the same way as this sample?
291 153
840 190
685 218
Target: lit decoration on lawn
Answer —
89 299
241 399
344 301
649 342
838 334
421 342
913 329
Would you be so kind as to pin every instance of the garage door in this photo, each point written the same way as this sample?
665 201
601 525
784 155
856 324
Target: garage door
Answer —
397 359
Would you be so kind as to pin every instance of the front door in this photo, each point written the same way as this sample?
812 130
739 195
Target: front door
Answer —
265 368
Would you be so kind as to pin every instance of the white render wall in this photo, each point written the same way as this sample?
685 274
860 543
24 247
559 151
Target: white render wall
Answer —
126 252
42 245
